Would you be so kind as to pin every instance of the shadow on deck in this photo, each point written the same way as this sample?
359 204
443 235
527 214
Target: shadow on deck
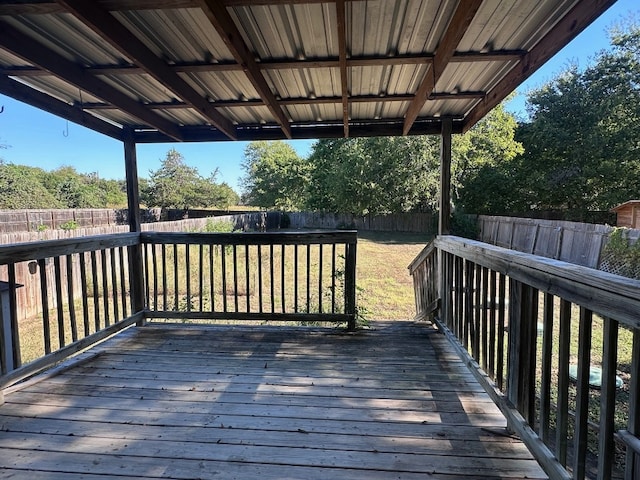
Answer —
201 402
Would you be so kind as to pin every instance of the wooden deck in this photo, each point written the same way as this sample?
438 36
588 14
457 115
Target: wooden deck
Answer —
191 402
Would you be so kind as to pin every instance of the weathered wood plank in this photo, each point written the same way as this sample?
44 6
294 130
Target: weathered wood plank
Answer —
195 403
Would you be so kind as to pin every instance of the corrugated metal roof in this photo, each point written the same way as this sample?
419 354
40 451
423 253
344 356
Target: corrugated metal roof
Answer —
191 70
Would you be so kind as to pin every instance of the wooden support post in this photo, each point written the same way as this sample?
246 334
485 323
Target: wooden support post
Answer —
444 220
350 284
444 210
136 273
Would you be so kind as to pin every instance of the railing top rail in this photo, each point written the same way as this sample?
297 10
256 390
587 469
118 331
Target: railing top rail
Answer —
19 252
424 253
605 293
253 238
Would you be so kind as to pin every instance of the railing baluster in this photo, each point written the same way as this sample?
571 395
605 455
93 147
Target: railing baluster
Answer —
235 278
176 278
271 278
333 278
282 278
260 303
44 295
114 284
469 333
212 289
295 278
502 296
71 299
632 463
484 350
582 400
154 260
492 325
562 420
85 294
458 290
247 276
320 278
59 301
165 296
201 276
105 287
308 278
13 314
96 290
606 443
546 378
187 274
223 272
123 282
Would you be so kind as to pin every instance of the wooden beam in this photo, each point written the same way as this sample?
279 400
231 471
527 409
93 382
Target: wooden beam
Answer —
116 34
460 21
35 7
220 18
42 101
342 54
287 64
579 18
256 102
25 47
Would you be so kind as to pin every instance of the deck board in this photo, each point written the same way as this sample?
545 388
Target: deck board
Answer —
189 402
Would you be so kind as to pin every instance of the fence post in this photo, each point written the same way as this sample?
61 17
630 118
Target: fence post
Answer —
350 283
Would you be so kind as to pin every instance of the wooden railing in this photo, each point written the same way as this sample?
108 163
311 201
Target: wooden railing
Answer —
90 288
306 277
534 329
84 296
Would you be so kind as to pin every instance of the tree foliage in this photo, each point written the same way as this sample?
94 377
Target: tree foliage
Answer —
374 175
177 185
30 187
582 141
275 176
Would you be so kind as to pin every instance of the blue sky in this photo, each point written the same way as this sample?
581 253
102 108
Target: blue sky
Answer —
38 139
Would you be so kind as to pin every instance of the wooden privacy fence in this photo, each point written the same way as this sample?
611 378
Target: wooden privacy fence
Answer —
252 276
90 288
534 329
393 222
579 243
29 295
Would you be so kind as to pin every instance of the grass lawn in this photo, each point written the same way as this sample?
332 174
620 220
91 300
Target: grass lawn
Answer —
383 280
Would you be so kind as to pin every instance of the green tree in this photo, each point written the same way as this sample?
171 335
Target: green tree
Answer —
275 176
177 185
374 175
483 162
582 143
21 187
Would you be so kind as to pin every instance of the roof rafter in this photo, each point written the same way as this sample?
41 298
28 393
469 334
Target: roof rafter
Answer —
106 25
220 18
460 21
562 33
30 50
73 113
342 53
